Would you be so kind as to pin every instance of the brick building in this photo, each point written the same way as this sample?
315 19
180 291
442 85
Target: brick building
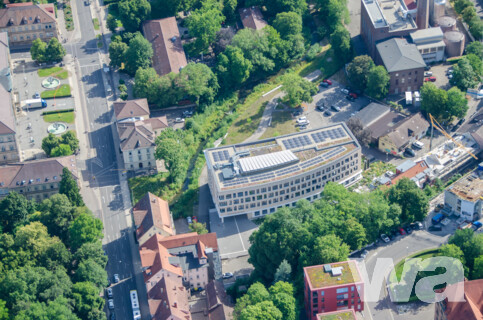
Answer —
469 309
333 287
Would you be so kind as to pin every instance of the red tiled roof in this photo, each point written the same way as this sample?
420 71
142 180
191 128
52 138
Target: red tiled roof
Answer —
410 4
186 239
27 14
472 308
131 108
168 52
252 18
168 299
412 172
152 211
155 257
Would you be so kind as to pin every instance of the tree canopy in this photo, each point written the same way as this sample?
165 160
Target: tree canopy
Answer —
43 52
70 188
442 104
133 12
378 82
464 76
232 67
358 71
297 89
138 54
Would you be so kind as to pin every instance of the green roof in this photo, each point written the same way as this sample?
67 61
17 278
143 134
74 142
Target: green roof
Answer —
318 278
339 315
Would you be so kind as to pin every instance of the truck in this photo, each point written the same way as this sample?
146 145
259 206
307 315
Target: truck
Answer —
35 103
409 98
437 218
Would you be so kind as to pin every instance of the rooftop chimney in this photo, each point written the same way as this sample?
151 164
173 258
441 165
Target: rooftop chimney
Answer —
422 16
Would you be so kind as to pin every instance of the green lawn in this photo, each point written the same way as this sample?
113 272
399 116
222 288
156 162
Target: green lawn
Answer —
250 117
45 72
62 91
95 21
67 117
62 75
324 61
422 255
282 123
154 184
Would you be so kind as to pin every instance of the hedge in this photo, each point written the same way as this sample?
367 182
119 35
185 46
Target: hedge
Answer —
57 111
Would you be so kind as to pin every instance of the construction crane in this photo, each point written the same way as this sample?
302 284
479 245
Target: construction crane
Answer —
435 124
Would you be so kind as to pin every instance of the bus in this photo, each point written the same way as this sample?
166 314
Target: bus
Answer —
135 305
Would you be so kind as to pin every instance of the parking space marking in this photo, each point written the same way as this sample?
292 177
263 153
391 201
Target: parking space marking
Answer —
239 235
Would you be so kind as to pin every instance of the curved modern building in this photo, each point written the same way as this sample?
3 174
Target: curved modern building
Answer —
259 177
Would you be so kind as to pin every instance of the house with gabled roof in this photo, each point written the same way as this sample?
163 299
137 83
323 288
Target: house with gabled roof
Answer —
25 22
252 18
151 216
403 62
137 134
168 299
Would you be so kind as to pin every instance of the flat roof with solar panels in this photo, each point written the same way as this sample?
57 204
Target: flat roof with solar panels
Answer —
246 164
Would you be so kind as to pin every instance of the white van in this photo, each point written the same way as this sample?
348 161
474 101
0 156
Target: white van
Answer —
418 144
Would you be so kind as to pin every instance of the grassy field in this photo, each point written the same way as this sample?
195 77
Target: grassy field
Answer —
67 117
62 91
62 75
282 123
45 72
250 117
140 185
325 61
422 255
95 21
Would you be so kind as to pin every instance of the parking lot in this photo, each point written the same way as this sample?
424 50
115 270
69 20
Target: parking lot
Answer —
440 73
171 114
31 127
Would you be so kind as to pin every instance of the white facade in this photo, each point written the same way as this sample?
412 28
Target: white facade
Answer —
139 159
465 197
430 44
321 155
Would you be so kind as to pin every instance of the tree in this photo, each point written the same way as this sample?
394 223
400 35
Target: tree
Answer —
223 39
91 251
340 41
358 71
38 50
377 83
297 89
476 28
265 310
457 105
469 13
138 55
327 249
477 269
198 227
58 309
476 48
85 228
111 23
277 6
452 251
229 10
89 270
233 68
55 51
412 200
283 272
464 76
61 150
57 214
204 23
14 210
476 63
117 53
364 136
286 304
3 311
70 138
288 24
86 299
70 188
198 82
255 294
460 5
49 143
335 12
133 12
313 51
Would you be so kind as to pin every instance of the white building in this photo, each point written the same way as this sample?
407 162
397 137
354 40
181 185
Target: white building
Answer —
465 197
430 44
259 177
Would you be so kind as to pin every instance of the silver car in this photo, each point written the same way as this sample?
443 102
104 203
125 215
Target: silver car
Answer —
110 304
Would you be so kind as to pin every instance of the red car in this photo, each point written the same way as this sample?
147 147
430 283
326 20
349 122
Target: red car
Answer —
327 81
195 219
353 95
402 231
432 79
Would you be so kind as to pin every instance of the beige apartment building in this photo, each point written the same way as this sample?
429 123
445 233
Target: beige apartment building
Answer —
8 142
26 22
260 177
36 180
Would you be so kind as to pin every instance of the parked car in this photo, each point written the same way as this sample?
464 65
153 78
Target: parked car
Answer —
188 219
327 81
324 84
320 108
179 120
402 231
432 79
417 225
109 292
435 228
427 68
116 278
327 113
409 152
344 91
418 145
385 238
350 98
364 254
335 108
437 218
187 114
477 225
408 229
37 95
227 275
297 113
428 74
353 95
195 219
390 174
110 304
113 316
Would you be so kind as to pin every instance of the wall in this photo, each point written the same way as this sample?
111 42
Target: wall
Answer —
8 149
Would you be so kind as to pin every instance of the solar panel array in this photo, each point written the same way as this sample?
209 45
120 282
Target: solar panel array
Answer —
221 155
287 170
322 157
297 142
263 176
335 133
235 182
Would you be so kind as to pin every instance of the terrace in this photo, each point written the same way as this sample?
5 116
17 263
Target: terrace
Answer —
319 278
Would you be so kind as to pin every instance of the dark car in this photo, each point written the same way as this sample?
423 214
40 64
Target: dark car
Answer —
350 98
427 68
409 152
408 229
417 225
320 108
327 113
435 228
324 84
335 108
